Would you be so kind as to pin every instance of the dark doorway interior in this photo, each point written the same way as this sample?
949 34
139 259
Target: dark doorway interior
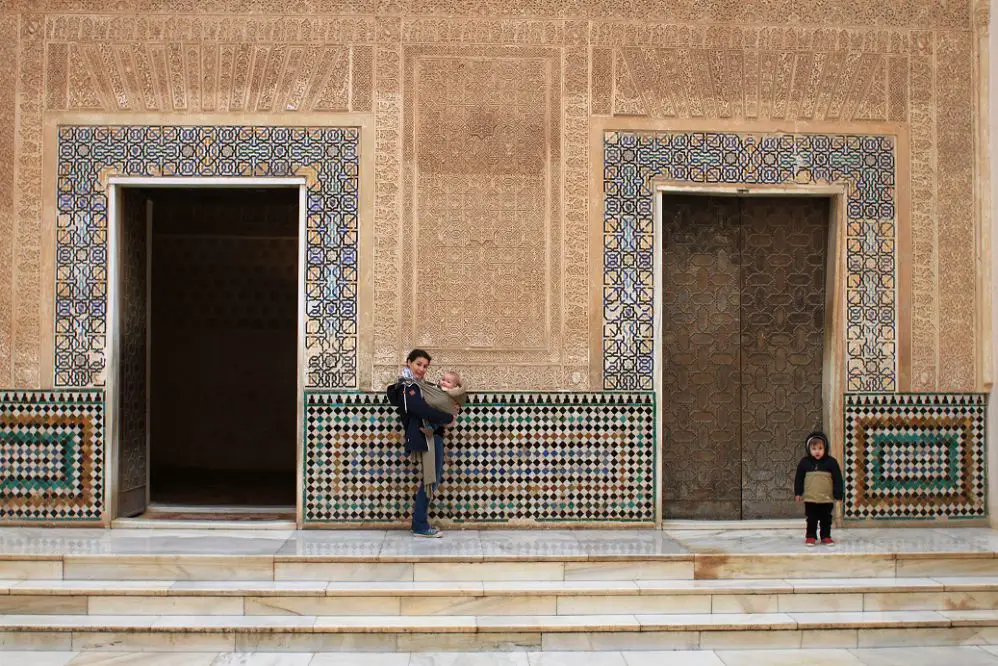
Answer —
223 346
743 341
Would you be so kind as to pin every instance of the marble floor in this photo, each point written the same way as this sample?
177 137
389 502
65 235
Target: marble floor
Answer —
922 656
485 544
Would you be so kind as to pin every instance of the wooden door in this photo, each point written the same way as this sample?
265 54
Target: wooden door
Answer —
133 407
742 343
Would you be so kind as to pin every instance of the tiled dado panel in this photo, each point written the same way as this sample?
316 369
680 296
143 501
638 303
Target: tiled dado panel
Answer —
52 455
864 165
910 456
327 156
543 457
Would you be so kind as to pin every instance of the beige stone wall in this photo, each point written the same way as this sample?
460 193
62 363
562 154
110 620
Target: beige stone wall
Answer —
483 114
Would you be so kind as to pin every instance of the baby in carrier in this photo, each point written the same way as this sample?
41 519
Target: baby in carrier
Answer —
448 395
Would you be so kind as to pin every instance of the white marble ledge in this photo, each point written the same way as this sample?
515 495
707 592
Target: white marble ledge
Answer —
435 558
639 556
971 618
555 658
659 658
123 623
7 585
917 655
31 557
967 583
156 623
117 588
871 620
168 559
763 657
560 588
809 555
531 556
48 658
227 623
404 589
715 586
254 588
411 624
558 623
465 659
716 622
946 555
855 585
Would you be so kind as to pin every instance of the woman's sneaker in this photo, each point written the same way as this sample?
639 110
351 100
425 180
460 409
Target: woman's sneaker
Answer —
828 541
432 533
810 541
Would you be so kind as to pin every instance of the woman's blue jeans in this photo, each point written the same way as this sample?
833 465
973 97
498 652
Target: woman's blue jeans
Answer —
421 503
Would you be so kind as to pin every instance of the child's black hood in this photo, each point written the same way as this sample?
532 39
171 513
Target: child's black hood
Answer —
817 434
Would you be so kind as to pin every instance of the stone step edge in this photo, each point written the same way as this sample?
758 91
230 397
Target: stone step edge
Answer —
429 558
664 587
635 623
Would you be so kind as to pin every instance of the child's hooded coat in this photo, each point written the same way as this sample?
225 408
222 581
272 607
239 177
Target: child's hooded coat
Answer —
818 480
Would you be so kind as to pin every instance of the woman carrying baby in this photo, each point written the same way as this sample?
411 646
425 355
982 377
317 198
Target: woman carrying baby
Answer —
426 409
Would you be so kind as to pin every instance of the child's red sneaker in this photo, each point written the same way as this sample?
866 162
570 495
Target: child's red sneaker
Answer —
810 541
828 541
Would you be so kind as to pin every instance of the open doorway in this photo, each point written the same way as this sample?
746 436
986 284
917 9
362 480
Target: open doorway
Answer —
208 371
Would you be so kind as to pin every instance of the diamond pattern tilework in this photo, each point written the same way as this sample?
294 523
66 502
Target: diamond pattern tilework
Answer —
327 156
915 456
52 448
864 164
543 457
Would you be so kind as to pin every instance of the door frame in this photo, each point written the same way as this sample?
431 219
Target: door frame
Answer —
115 186
833 375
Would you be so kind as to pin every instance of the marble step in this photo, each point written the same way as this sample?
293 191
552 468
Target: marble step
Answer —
423 564
469 632
237 598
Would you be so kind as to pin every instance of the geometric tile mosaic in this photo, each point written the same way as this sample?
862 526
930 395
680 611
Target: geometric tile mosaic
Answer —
865 164
327 156
52 455
911 456
511 457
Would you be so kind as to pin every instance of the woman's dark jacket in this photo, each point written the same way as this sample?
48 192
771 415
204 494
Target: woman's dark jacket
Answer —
413 412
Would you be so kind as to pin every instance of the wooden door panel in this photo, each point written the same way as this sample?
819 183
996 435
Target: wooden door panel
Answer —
784 244
700 342
133 459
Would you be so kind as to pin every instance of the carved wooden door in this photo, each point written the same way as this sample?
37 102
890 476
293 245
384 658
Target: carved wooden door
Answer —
743 333
132 430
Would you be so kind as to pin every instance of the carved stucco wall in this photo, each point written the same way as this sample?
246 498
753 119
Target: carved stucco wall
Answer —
482 171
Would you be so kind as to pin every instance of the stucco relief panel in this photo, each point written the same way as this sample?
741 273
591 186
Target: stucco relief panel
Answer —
208 64
956 232
481 260
387 200
28 203
924 172
756 84
203 77
8 76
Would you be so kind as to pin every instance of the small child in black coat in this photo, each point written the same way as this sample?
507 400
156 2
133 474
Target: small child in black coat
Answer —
818 484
